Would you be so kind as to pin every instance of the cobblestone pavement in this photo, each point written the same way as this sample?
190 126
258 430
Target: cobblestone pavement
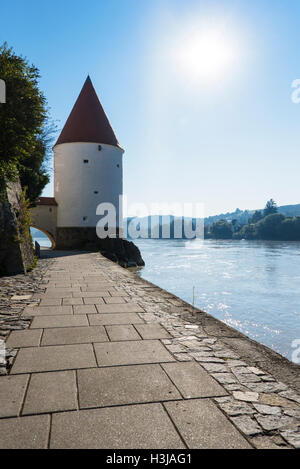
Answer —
103 359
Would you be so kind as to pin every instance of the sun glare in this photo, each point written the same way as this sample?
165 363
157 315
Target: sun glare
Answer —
205 54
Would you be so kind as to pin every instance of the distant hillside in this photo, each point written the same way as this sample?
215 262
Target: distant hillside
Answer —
290 210
241 216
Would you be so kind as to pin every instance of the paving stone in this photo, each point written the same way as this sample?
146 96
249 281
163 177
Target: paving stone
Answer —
72 301
91 294
273 422
275 400
224 378
192 381
88 287
26 338
267 409
248 426
85 309
54 294
152 331
50 302
203 425
255 370
51 392
145 426
25 432
122 332
293 413
246 396
48 311
205 357
183 357
74 335
45 322
21 297
126 308
267 387
56 358
234 408
215 367
292 437
104 387
266 442
114 300
12 390
114 319
93 301
291 395
117 292
131 353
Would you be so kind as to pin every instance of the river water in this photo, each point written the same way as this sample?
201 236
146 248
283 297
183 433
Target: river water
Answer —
252 286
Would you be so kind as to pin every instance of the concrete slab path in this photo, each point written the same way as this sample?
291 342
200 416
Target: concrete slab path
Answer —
109 361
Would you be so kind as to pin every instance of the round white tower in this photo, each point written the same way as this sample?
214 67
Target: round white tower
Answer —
87 165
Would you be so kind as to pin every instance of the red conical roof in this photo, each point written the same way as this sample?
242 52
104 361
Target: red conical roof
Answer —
88 121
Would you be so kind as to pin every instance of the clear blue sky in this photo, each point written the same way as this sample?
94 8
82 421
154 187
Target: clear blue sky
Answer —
224 133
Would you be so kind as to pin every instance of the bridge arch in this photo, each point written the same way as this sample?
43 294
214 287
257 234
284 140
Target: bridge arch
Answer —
49 235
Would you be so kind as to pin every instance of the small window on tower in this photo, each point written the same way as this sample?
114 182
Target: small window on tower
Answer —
99 147
86 161
85 218
118 166
96 192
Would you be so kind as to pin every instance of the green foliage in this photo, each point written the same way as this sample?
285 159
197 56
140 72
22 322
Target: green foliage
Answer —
257 216
270 208
221 230
32 266
23 118
24 218
274 226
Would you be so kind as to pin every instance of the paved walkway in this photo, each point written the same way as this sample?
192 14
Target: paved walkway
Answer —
111 361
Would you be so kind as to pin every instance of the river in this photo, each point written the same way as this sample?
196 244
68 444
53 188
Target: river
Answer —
252 286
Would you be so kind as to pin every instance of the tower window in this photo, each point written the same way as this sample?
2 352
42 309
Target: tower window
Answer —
96 192
85 218
99 147
118 166
86 161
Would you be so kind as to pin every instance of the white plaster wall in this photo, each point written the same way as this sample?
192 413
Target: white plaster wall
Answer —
75 182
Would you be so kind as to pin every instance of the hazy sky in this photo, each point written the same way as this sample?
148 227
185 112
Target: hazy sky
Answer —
198 92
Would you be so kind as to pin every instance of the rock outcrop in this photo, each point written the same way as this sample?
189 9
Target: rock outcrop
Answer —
16 252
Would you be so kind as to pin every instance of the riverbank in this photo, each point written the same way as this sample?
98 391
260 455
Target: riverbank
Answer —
187 370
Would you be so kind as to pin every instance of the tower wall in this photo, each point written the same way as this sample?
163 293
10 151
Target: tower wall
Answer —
84 178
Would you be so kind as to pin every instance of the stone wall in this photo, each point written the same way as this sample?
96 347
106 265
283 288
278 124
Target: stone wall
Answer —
16 253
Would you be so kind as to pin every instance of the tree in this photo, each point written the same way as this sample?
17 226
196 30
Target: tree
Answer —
270 208
269 227
221 230
23 143
256 217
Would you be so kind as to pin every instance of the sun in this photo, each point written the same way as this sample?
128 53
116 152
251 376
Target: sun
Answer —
205 54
